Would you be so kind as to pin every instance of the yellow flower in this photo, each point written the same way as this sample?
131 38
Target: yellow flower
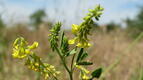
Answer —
17 53
36 64
84 72
46 76
33 46
21 49
27 51
82 68
79 44
83 45
71 41
85 77
75 29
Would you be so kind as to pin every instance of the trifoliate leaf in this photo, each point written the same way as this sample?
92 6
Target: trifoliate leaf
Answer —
96 73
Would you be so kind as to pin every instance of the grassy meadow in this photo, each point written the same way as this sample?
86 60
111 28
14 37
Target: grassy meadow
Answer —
118 54
89 50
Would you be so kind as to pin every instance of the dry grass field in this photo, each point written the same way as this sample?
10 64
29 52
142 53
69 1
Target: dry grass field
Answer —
107 48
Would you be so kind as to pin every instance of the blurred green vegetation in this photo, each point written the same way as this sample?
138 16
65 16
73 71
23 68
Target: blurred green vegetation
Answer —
37 17
138 75
135 25
112 26
2 25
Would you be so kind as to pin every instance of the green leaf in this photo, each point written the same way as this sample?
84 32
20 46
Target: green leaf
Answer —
61 40
71 52
84 56
96 73
64 46
97 18
79 55
84 63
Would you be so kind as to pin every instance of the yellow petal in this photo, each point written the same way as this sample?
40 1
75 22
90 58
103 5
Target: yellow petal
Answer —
89 44
75 28
83 45
71 41
33 46
85 77
27 51
79 45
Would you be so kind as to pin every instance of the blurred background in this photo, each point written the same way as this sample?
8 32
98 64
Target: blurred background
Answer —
117 36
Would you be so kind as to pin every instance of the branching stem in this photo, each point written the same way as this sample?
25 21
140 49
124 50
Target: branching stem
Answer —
64 63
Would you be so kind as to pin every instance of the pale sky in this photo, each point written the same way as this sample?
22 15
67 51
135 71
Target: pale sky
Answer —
69 11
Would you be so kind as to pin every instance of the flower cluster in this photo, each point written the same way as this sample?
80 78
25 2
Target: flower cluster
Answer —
34 62
60 43
83 30
84 73
54 35
22 50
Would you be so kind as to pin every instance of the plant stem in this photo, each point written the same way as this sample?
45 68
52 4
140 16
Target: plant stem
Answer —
72 62
71 77
72 65
64 63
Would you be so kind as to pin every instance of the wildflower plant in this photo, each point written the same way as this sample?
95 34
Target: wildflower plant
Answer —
60 44
21 50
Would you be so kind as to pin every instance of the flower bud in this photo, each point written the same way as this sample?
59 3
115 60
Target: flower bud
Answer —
33 46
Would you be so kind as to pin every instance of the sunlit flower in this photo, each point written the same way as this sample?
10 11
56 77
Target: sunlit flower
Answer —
72 41
33 46
21 48
45 69
18 54
75 28
85 77
84 72
83 45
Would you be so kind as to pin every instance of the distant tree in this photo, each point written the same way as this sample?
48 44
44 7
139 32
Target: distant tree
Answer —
37 17
112 26
2 25
135 26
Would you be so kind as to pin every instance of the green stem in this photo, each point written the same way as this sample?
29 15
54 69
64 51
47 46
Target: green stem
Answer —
64 63
141 74
72 63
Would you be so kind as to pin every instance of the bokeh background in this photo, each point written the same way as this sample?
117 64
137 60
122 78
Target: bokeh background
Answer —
117 37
